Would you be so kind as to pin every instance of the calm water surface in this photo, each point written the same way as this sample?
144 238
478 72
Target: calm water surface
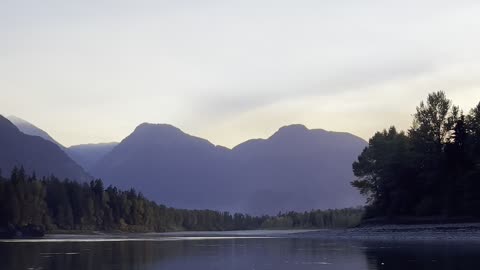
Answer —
238 253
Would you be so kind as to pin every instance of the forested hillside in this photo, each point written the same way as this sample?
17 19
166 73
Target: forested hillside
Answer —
67 205
432 169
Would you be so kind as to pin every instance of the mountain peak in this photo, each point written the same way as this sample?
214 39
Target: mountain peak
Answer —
35 154
30 129
148 131
156 127
14 118
162 134
293 127
291 131
17 121
6 124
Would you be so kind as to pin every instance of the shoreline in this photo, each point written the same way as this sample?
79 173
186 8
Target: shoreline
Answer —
402 232
364 232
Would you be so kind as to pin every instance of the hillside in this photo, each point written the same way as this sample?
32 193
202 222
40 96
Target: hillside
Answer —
35 154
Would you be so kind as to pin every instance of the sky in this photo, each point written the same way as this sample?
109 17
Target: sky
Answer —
91 71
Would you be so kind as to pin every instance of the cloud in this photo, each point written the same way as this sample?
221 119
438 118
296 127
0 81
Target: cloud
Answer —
333 83
222 68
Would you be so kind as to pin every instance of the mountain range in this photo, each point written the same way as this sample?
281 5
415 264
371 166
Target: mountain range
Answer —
294 169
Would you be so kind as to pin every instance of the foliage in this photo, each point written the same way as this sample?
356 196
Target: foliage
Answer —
433 169
323 219
69 205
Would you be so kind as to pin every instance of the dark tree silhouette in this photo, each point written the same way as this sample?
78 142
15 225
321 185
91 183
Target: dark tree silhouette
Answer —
69 205
432 170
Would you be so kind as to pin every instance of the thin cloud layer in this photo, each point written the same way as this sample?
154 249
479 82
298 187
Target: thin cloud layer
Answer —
90 71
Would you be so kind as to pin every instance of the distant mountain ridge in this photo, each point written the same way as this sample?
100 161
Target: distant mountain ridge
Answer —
294 169
35 154
87 155
30 129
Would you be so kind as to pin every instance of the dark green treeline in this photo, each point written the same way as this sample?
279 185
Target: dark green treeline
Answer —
68 205
433 169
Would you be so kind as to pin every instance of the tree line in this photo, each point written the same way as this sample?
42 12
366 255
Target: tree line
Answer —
432 169
321 219
57 204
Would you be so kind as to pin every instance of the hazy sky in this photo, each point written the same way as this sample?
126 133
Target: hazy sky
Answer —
91 71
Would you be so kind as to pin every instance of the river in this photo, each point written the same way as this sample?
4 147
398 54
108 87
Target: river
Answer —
222 251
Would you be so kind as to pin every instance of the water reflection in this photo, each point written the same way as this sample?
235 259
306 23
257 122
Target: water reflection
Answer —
257 254
424 255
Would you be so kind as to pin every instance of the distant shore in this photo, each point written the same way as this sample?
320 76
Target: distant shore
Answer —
369 232
402 232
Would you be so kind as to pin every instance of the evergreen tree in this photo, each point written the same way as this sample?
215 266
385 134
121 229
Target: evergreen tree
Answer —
431 170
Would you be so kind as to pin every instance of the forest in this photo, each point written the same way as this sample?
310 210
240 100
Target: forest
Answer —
430 170
63 205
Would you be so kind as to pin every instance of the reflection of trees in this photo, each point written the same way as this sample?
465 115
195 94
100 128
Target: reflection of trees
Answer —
423 256
277 254
204 254
99 255
281 254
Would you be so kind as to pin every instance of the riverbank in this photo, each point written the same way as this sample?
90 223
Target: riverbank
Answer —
168 236
395 232
377 232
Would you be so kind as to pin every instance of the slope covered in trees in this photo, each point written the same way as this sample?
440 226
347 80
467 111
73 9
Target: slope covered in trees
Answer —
67 205
433 169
